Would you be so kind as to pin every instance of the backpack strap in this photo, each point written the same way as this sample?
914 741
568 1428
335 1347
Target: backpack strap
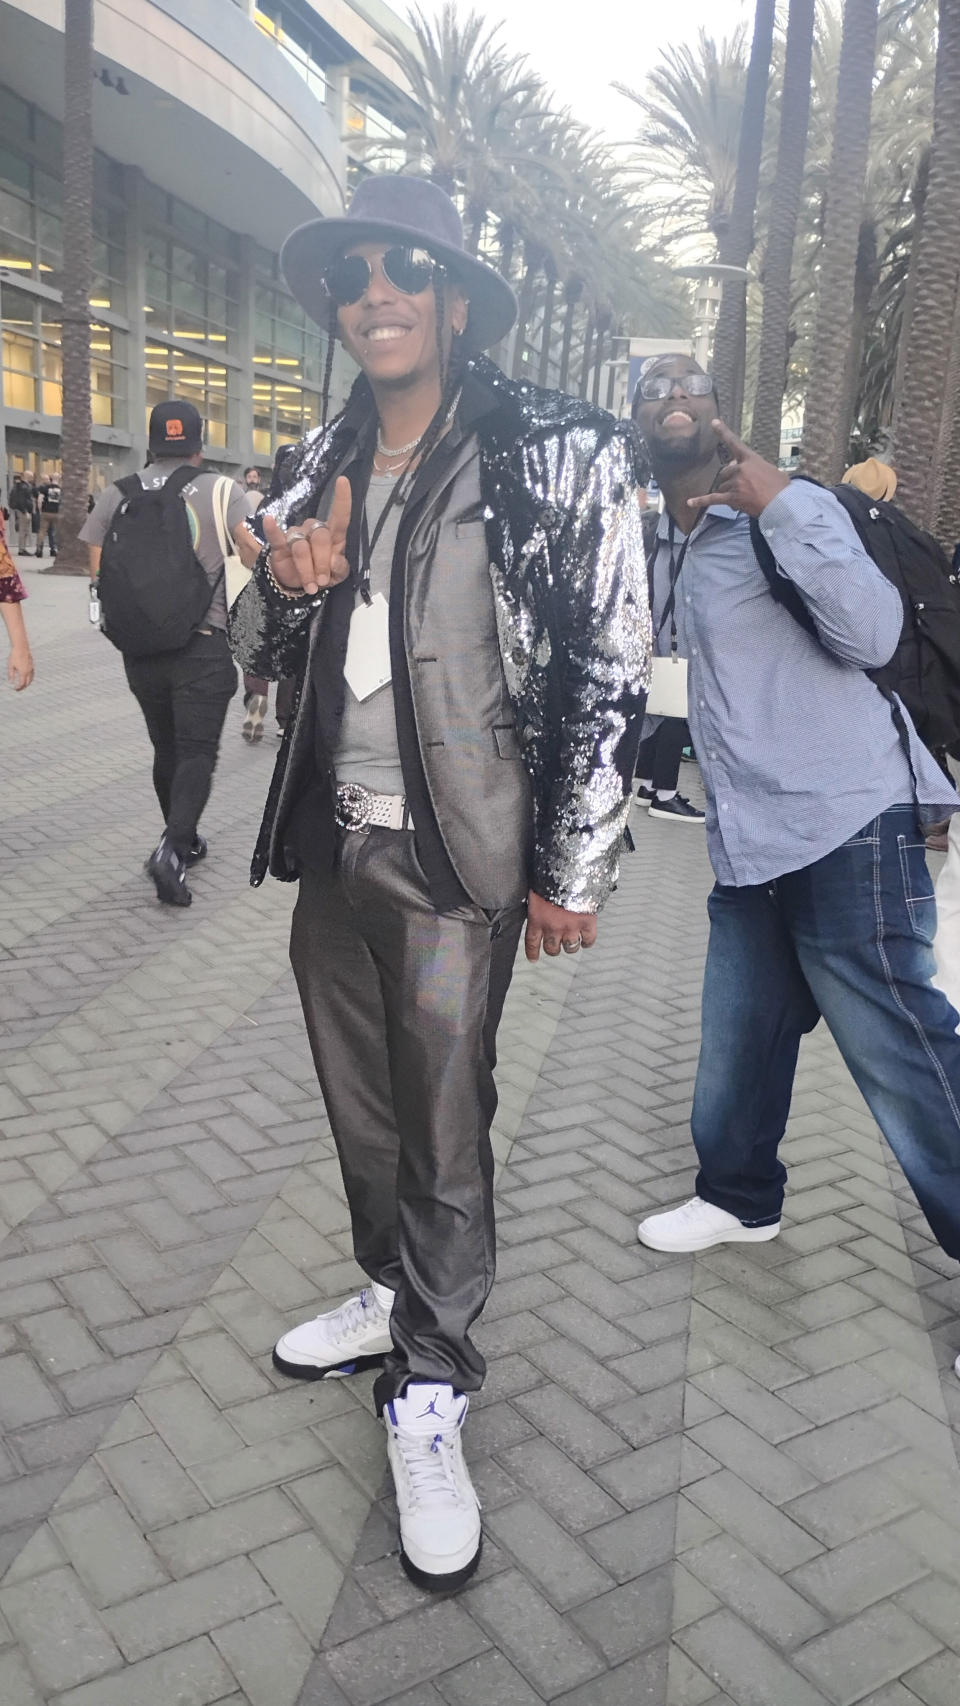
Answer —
783 590
130 485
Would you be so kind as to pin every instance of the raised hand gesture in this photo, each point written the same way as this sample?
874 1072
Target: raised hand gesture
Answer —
747 482
313 556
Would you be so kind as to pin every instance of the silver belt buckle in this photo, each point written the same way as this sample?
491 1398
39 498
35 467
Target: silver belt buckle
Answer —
354 804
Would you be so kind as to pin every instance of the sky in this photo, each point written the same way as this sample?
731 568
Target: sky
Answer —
581 46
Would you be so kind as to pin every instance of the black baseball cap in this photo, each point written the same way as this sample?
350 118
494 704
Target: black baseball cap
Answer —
176 429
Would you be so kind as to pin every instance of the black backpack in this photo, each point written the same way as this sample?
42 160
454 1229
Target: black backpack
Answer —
925 668
153 589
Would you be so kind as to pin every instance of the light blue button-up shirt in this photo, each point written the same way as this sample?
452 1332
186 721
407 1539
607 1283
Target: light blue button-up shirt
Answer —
797 747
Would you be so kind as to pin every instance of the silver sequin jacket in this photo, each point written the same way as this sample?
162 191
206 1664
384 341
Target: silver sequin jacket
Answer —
570 589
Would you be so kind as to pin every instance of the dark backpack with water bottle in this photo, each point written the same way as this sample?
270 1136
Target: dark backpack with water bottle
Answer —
154 590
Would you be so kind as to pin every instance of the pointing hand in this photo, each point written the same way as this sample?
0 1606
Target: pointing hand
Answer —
312 557
747 482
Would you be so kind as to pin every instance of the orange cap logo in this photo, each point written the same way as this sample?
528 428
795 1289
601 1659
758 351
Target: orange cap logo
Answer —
174 429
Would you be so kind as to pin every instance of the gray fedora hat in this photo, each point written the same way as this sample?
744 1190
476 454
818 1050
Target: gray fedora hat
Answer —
406 210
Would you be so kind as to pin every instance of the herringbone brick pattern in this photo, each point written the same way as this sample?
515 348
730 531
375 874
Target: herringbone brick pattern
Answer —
730 1478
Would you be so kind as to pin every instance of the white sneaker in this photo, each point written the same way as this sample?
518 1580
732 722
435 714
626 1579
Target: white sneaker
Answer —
439 1510
698 1225
342 1342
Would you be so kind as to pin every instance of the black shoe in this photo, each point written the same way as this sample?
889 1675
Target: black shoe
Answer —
679 809
646 795
169 873
198 851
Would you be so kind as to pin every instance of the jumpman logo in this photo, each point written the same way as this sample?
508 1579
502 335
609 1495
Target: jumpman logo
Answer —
431 1409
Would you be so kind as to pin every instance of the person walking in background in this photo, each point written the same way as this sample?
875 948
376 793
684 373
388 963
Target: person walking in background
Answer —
23 503
48 498
12 594
462 758
658 770
816 789
184 688
253 490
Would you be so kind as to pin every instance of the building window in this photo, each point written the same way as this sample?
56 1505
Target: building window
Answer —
296 43
192 289
31 226
183 374
284 337
32 367
281 414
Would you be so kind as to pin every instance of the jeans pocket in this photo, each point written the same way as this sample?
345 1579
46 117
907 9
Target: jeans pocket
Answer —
918 893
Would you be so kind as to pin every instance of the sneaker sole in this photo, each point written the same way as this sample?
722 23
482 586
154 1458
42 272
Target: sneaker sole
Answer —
674 817
448 1583
170 893
332 1371
746 1235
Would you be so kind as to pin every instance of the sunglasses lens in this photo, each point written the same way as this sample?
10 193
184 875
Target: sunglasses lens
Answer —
408 270
347 279
660 385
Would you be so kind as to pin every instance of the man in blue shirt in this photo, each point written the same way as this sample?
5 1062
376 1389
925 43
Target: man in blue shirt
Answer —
823 902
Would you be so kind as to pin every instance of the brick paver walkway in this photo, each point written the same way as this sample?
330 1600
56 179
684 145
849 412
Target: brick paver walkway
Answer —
727 1478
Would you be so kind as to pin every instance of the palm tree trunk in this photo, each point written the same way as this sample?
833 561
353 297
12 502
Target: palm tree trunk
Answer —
945 504
531 255
587 351
825 424
918 196
572 291
920 407
508 237
864 284
546 330
78 248
730 337
476 218
785 206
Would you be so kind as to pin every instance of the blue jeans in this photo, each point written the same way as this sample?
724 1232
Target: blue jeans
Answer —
849 938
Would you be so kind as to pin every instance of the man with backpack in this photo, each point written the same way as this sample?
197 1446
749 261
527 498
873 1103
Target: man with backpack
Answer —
158 545
817 786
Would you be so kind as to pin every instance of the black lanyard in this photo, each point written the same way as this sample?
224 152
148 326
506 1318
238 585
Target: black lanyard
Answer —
368 545
676 567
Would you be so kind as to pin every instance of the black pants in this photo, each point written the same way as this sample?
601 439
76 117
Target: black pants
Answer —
660 754
184 697
402 1005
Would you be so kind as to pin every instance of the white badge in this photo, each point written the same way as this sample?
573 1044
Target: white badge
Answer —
367 668
668 688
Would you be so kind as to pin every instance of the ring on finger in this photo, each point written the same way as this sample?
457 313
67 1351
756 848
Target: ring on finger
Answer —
572 947
295 534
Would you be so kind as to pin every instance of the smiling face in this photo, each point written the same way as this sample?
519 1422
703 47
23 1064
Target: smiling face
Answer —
393 337
677 429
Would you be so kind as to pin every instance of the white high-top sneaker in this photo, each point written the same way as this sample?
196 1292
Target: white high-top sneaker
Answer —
342 1342
698 1225
439 1510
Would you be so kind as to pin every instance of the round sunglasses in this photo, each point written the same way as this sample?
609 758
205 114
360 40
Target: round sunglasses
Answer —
409 270
659 385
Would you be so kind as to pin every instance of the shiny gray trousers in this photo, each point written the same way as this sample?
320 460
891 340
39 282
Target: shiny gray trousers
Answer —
402 1005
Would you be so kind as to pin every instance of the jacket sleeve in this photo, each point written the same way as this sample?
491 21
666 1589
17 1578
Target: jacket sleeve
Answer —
269 633
602 629
858 612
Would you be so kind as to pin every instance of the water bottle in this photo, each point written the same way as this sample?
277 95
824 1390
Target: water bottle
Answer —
94 605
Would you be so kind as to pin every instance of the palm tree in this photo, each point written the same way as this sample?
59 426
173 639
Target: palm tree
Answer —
829 401
77 278
685 165
920 406
782 230
729 341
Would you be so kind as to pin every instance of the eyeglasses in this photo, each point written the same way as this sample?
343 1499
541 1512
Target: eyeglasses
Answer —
656 386
409 270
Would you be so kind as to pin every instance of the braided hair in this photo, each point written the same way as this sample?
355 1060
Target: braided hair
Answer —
328 365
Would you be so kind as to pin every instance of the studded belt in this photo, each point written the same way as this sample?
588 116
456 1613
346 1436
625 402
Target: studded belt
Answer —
359 808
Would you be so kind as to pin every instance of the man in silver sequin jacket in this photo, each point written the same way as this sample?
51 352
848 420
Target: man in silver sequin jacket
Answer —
489 576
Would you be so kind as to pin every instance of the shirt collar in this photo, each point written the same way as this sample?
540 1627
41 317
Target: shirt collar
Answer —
723 512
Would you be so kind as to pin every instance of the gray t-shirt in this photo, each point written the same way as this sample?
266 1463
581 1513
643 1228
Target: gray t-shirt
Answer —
367 751
198 502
